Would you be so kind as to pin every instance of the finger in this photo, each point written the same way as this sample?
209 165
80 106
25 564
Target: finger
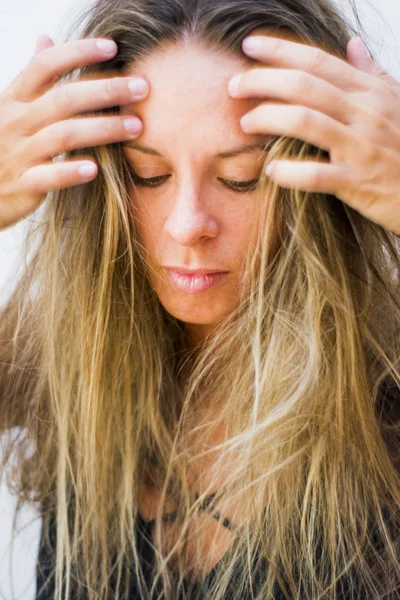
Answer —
77 133
359 56
288 54
45 178
43 41
50 64
310 176
74 98
37 182
297 122
296 87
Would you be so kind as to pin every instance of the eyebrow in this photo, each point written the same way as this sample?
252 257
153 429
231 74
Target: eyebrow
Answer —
225 154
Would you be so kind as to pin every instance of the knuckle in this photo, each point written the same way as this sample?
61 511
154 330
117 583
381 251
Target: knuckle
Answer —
108 127
304 83
110 89
382 124
374 92
314 178
316 60
14 117
372 154
368 153
305 119
378 114
386 113
378 100
391 106
62 137
276 48
63 97
40 61
386 102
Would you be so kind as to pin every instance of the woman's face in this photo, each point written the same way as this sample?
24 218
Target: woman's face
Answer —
191 218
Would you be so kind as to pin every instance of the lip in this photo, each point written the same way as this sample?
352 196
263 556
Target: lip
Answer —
185 271
194 281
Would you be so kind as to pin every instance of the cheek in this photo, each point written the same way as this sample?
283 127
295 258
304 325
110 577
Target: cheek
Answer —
240 228
147 225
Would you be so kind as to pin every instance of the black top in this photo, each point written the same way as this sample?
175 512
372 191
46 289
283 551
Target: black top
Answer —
193 591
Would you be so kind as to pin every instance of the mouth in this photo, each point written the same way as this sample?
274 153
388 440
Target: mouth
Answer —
194 281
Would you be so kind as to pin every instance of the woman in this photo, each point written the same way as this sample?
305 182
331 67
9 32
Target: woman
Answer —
223 435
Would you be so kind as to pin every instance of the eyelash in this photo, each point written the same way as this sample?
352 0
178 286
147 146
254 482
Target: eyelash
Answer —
236 186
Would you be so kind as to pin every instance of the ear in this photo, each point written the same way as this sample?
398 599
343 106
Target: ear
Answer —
359 57
43 41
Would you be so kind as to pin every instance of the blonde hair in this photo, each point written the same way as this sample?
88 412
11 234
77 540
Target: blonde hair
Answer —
303 374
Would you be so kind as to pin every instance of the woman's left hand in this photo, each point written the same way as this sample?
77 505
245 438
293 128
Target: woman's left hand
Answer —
350 109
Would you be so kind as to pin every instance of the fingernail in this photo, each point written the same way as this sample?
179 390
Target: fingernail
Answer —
132 125
233 86
252 43
245 122
87 170
269 169
107 47
138 86
363 48
37 42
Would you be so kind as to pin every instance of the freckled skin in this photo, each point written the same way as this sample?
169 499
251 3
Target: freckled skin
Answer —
192 220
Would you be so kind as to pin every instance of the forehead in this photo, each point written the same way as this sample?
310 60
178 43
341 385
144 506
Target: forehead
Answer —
184 62
189 100
193 66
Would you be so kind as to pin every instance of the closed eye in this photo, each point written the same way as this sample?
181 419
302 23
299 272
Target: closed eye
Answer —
237 186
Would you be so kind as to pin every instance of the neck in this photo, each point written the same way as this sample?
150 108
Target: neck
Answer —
196 335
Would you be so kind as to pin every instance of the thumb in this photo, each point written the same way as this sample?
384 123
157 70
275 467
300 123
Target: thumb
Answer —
359 57
43 41
358 54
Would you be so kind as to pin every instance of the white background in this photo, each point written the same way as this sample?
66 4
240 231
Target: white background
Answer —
21 22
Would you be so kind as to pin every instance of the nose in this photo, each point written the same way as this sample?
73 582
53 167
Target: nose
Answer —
189 220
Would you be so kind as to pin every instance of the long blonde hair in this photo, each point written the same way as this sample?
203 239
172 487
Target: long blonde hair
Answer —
302 375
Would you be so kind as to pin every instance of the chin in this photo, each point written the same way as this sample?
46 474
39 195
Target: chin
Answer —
195 319
199 315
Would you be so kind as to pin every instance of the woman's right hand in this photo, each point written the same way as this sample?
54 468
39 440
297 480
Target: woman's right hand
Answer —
38 122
